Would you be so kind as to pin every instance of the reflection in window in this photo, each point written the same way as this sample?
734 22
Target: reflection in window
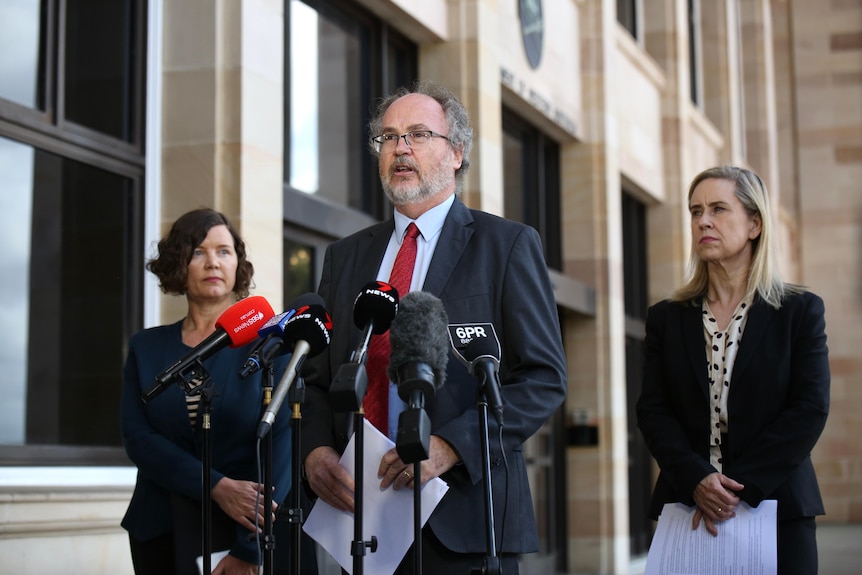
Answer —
339 60
627 15
304 112
694 52
298 269
98 79
65 265
531 175
20 52
16 165
326 124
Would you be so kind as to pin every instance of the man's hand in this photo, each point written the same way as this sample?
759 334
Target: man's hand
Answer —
329 480
392 471
716 501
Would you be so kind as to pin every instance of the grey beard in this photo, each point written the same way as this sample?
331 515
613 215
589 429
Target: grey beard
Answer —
426 188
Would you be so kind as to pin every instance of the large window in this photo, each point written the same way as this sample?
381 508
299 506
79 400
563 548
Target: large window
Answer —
339 61
531 182
636 303
531 194
71 155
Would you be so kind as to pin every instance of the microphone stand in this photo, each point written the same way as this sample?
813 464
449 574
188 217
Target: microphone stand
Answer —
295 514
412 445
267 542
417 518
357 548
197 372
346 393
491 565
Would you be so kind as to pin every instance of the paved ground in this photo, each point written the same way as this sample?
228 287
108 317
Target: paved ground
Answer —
840 548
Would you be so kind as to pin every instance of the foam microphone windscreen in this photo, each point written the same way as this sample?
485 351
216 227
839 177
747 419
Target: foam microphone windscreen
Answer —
242 320
419 334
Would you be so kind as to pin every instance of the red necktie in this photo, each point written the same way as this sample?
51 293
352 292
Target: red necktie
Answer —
376 402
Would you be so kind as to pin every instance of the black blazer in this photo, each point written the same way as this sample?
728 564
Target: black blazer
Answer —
777 407
484 269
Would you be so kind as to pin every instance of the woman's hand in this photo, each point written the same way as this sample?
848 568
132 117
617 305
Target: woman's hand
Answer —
716 501
230 565
242 501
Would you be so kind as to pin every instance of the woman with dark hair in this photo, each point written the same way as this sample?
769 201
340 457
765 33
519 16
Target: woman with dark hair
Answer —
736 374
202 258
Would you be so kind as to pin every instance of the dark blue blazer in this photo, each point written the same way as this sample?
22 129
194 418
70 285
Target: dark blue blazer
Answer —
160 441
777 407
484 269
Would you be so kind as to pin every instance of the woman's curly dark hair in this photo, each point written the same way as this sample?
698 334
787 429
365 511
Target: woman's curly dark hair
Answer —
171 265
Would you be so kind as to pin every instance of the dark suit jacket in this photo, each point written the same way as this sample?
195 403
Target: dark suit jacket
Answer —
777 407
484 269
160 440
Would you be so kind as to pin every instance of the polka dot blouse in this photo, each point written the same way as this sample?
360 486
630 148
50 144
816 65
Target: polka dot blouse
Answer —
721 348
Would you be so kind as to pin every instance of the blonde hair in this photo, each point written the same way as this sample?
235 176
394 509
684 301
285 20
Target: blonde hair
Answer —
764 278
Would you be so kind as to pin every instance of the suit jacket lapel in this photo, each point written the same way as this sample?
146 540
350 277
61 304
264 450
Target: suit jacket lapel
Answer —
695 346
454 237
369 253
759 318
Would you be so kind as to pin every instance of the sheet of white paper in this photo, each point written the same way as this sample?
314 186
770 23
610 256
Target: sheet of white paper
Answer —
215 558
387 514
746 543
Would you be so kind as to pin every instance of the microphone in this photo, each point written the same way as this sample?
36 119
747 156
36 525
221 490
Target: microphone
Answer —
477 347
235 327
417 364
272 337
373 311
309 330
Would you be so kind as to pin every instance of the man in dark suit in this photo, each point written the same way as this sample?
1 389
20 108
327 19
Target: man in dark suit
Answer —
484 269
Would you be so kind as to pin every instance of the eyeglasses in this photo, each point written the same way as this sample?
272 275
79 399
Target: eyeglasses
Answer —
420 139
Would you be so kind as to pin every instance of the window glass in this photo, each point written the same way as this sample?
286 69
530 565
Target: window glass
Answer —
299 276
16 165
66 252
514 161
531 172
627 15
98 80
20 52
78 282
303 171
326 122
340 59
